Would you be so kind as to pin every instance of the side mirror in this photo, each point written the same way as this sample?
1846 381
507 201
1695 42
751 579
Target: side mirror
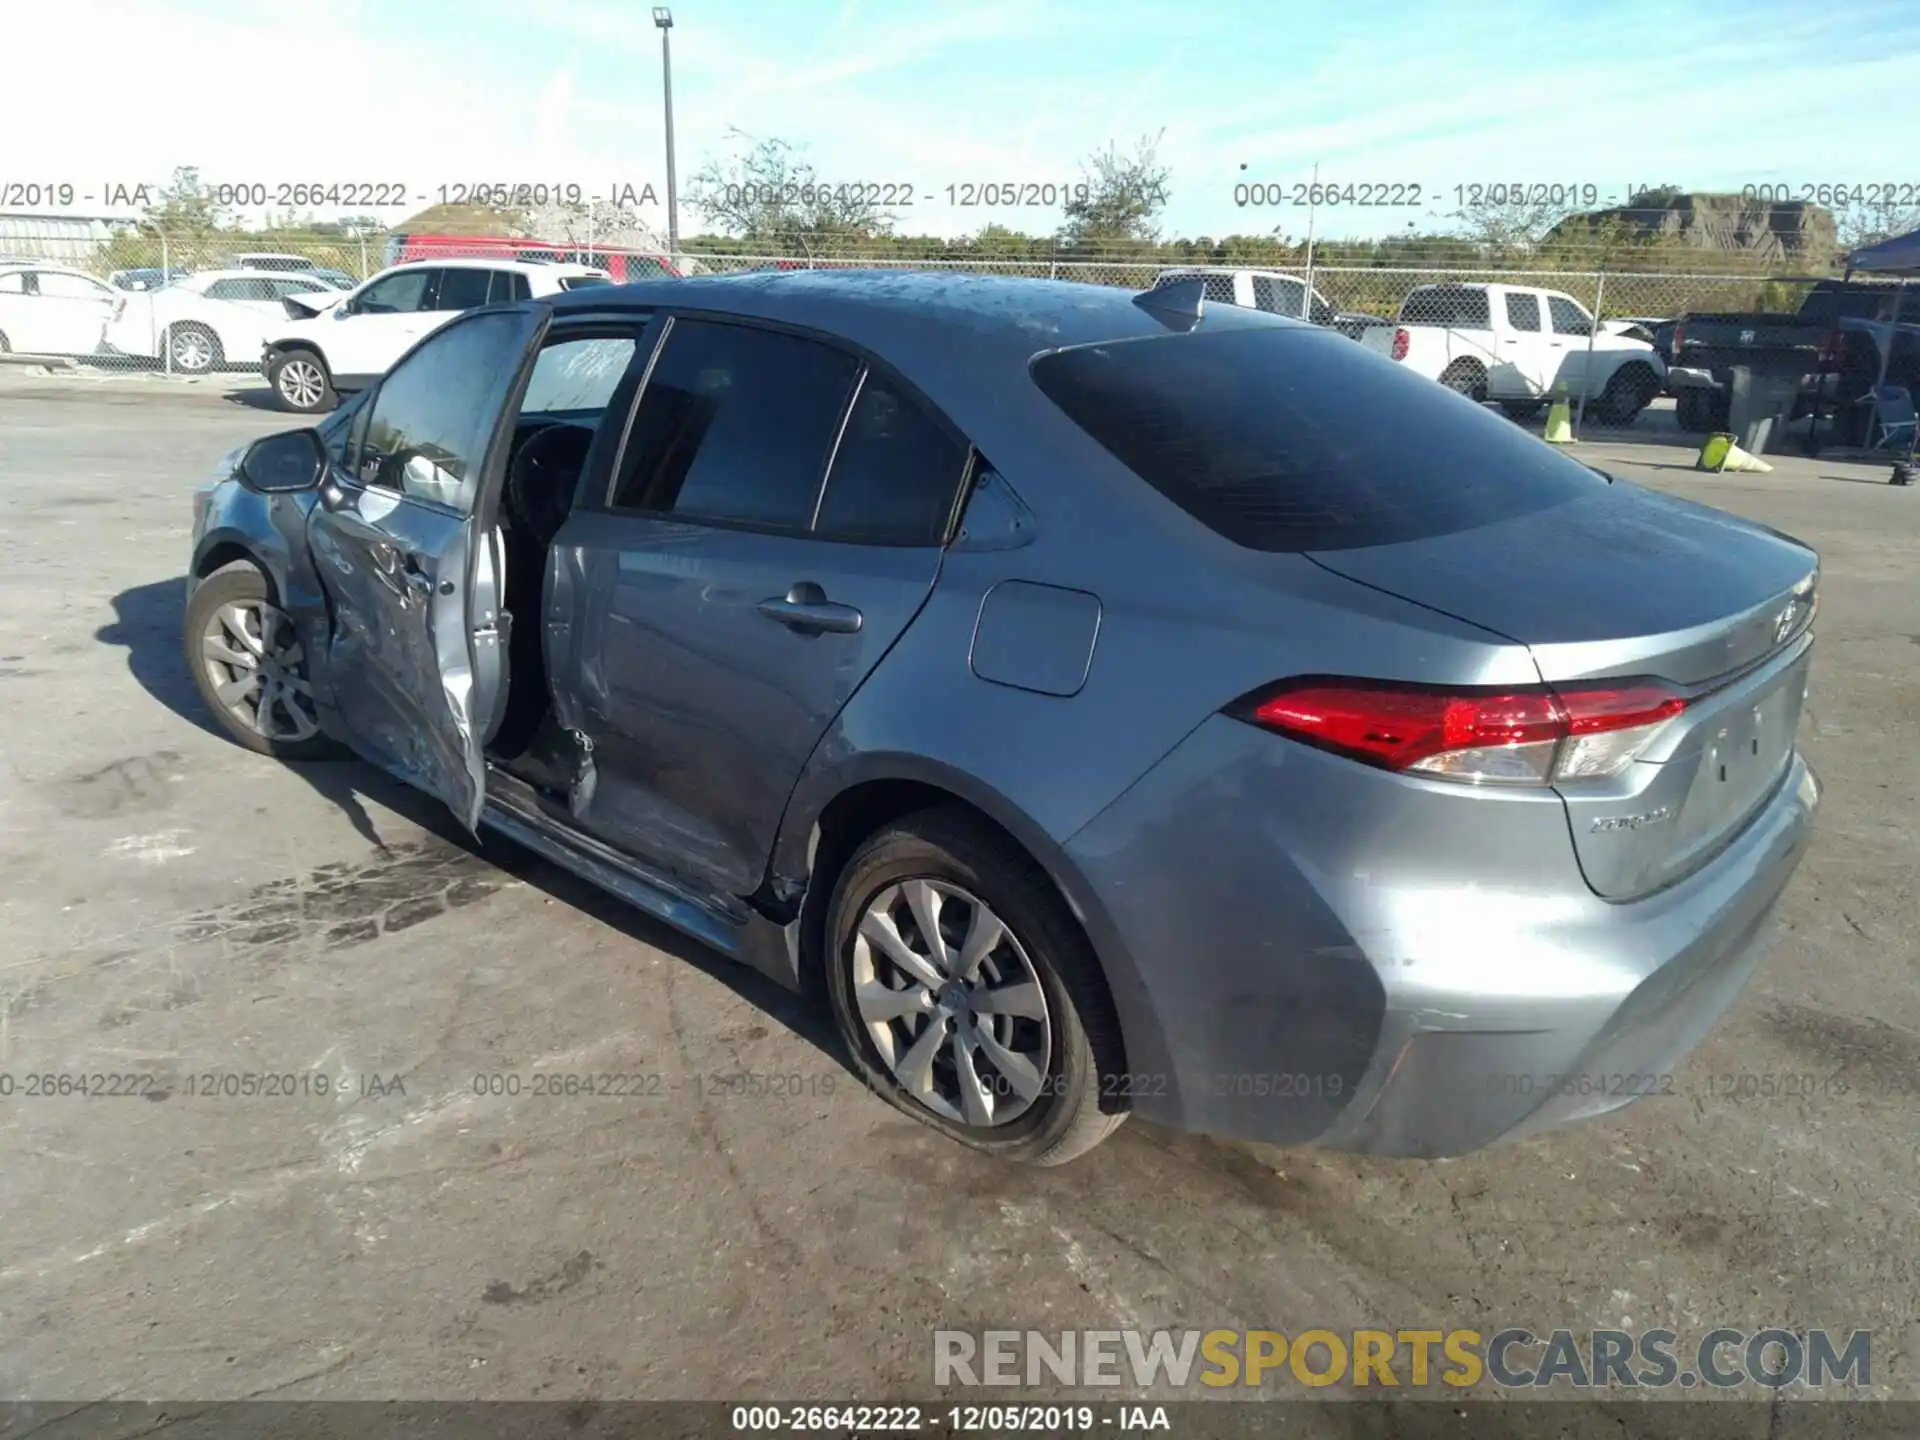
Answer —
283 464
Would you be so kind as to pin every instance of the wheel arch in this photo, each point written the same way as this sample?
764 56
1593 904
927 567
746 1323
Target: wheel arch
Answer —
221 548
832 816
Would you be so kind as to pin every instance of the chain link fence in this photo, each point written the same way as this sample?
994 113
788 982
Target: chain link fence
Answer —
130 297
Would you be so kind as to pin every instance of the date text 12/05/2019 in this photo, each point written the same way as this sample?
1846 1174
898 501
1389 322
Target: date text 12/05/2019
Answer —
1411 194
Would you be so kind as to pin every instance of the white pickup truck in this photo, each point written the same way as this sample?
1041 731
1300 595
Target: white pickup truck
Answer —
1516 345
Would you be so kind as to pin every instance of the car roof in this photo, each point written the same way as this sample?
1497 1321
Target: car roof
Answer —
963 339
243 273
487 262
47 265
1228 270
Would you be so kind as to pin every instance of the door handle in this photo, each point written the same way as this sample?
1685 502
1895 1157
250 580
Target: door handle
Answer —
806 609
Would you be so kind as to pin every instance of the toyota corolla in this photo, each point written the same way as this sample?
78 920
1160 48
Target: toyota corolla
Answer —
1106 704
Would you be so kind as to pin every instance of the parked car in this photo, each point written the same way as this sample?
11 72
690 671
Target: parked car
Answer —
338 279
1836 342
146 278
272 260
54 309
1104 706
334 343
1273 291
623 266
1517 345
210 319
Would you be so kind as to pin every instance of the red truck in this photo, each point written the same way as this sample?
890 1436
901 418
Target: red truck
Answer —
621 265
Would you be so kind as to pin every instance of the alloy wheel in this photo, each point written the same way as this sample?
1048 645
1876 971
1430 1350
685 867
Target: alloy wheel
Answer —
952 1002
301 383
191 350
258 670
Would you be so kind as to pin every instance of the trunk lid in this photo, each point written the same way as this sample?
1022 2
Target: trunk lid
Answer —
1626 582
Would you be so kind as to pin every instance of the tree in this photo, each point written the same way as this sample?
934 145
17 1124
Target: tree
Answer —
1508 221
185 207
1124 197
770 196
1862 223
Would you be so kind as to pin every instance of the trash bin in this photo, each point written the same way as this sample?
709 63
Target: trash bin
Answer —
1759 406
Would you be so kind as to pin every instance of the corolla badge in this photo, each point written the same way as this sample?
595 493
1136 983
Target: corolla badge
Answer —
1632 822
1783 622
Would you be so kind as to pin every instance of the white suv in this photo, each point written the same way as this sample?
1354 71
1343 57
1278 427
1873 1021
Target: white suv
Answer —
344 343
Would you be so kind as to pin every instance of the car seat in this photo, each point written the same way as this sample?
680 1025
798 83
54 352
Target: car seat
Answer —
536 501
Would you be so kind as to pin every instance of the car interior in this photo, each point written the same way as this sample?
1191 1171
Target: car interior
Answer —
572 383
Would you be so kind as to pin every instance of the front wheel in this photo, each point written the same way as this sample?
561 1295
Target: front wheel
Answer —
249 666
967 994
300 381
1630 390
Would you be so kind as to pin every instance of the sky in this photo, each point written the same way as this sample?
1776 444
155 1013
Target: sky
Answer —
923 95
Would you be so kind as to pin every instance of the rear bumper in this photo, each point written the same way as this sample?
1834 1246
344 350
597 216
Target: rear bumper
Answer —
1308 951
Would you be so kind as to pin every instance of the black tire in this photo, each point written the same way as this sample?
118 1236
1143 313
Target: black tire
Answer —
1466 377
1522 409
287 373
1629 390
181 336
951 846
240 582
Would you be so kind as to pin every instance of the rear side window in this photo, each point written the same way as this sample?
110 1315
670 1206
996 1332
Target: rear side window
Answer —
462 289
734 425
895 474
507 286
1447 305
1289 440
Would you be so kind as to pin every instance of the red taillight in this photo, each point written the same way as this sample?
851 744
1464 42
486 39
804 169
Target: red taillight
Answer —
1679 339
1401 340
1533 735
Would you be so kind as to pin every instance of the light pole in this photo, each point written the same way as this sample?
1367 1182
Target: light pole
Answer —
663 18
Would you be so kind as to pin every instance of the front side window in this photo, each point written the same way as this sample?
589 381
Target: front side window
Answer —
735 425
1280 297
1523 311
429 422
1568 318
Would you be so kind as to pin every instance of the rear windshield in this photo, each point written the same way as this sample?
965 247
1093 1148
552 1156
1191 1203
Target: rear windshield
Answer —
1285 439
574 282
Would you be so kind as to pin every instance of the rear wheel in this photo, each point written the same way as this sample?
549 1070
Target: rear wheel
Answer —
249 666
1630 390
1466 377
192 349
967 994
300 381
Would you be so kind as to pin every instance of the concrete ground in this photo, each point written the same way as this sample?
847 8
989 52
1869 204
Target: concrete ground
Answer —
174 907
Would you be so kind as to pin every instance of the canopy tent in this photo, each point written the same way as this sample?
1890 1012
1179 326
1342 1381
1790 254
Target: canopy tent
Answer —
1899 255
